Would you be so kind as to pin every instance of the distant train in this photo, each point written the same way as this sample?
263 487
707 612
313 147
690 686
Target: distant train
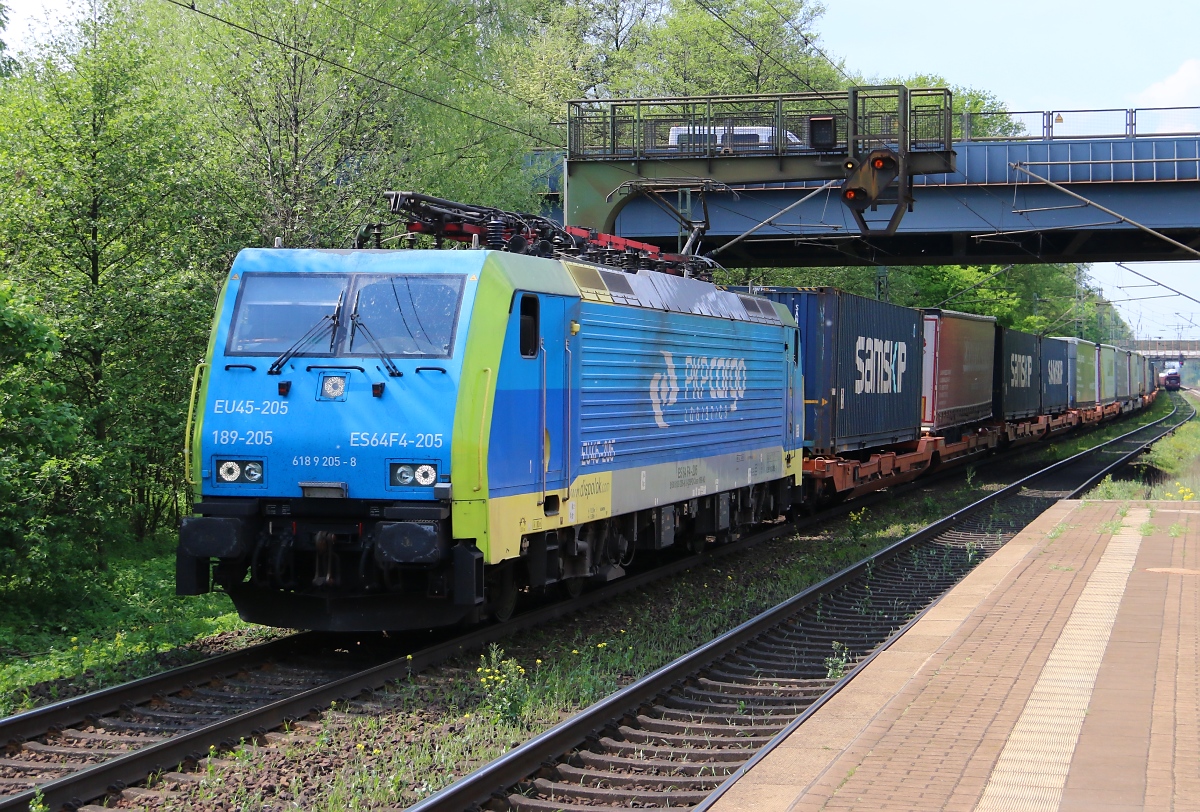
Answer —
398 439
1171 380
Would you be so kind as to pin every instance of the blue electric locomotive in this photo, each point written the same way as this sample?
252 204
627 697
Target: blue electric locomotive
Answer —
390 439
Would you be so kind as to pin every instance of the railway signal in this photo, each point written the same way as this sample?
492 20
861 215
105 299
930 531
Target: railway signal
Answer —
867 179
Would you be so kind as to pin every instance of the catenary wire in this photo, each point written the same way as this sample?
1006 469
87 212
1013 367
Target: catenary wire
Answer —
810 43
764 52
362 74
420 52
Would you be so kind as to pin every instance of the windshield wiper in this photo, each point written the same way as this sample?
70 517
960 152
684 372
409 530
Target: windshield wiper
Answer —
356 323
328 321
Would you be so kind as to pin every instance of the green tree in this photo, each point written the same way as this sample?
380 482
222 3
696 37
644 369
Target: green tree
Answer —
722 47
100 225
310 117
8 65
44 501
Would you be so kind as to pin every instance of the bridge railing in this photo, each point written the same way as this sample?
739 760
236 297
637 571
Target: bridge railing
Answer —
789 124
1046 125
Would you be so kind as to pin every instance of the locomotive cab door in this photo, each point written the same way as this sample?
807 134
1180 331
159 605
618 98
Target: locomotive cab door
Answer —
543 333
794 400
556 383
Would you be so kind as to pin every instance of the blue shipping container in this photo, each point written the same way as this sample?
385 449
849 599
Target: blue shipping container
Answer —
862 368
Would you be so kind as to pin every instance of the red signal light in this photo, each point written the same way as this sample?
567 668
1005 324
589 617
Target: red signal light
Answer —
878 163
851 194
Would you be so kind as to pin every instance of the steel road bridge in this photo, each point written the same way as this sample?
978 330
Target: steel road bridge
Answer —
1160 350
970 186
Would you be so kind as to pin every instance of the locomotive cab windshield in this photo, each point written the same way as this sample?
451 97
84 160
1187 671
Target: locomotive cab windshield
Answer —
409 315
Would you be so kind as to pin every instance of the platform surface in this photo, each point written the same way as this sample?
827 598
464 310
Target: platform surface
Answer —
1063 673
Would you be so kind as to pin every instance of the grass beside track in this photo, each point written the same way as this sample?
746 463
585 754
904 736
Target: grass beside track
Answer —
1169 470
102 628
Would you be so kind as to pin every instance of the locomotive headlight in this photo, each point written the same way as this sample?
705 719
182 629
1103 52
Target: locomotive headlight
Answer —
239 472
334 386
404 475
426 474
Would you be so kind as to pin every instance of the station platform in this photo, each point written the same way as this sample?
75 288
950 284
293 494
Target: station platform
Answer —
1063 673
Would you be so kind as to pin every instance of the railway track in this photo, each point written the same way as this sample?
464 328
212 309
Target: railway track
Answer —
99 744
96 745
680 736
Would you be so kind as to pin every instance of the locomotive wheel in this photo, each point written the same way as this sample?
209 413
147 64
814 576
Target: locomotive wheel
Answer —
502 593
572 587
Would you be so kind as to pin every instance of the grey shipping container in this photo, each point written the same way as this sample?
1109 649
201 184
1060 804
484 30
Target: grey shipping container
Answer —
1124 375
1081 372
862 368
1137 373
1017 389
1108 374
1056 391
956 382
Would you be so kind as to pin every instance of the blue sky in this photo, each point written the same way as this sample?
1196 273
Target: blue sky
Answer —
1050 54
1047 55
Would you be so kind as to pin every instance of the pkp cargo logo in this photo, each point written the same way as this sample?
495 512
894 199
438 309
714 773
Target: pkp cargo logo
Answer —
664 390
712 388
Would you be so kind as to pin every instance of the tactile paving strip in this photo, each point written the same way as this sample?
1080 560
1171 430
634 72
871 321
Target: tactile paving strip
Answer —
1032 769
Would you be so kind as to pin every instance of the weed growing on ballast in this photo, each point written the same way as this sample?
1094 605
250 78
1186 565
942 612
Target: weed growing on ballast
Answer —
835 666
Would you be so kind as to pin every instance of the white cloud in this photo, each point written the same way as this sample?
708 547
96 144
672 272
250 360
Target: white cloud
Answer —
1180 89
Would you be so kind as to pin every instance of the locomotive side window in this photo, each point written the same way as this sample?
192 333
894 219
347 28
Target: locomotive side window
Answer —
530 332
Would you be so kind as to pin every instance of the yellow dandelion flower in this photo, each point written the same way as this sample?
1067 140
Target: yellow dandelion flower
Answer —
602 645
361 747
537 662
574 651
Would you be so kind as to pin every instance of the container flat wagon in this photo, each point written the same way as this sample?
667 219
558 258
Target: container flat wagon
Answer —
862 369
1107 374
1018 373
957 380
1056 383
